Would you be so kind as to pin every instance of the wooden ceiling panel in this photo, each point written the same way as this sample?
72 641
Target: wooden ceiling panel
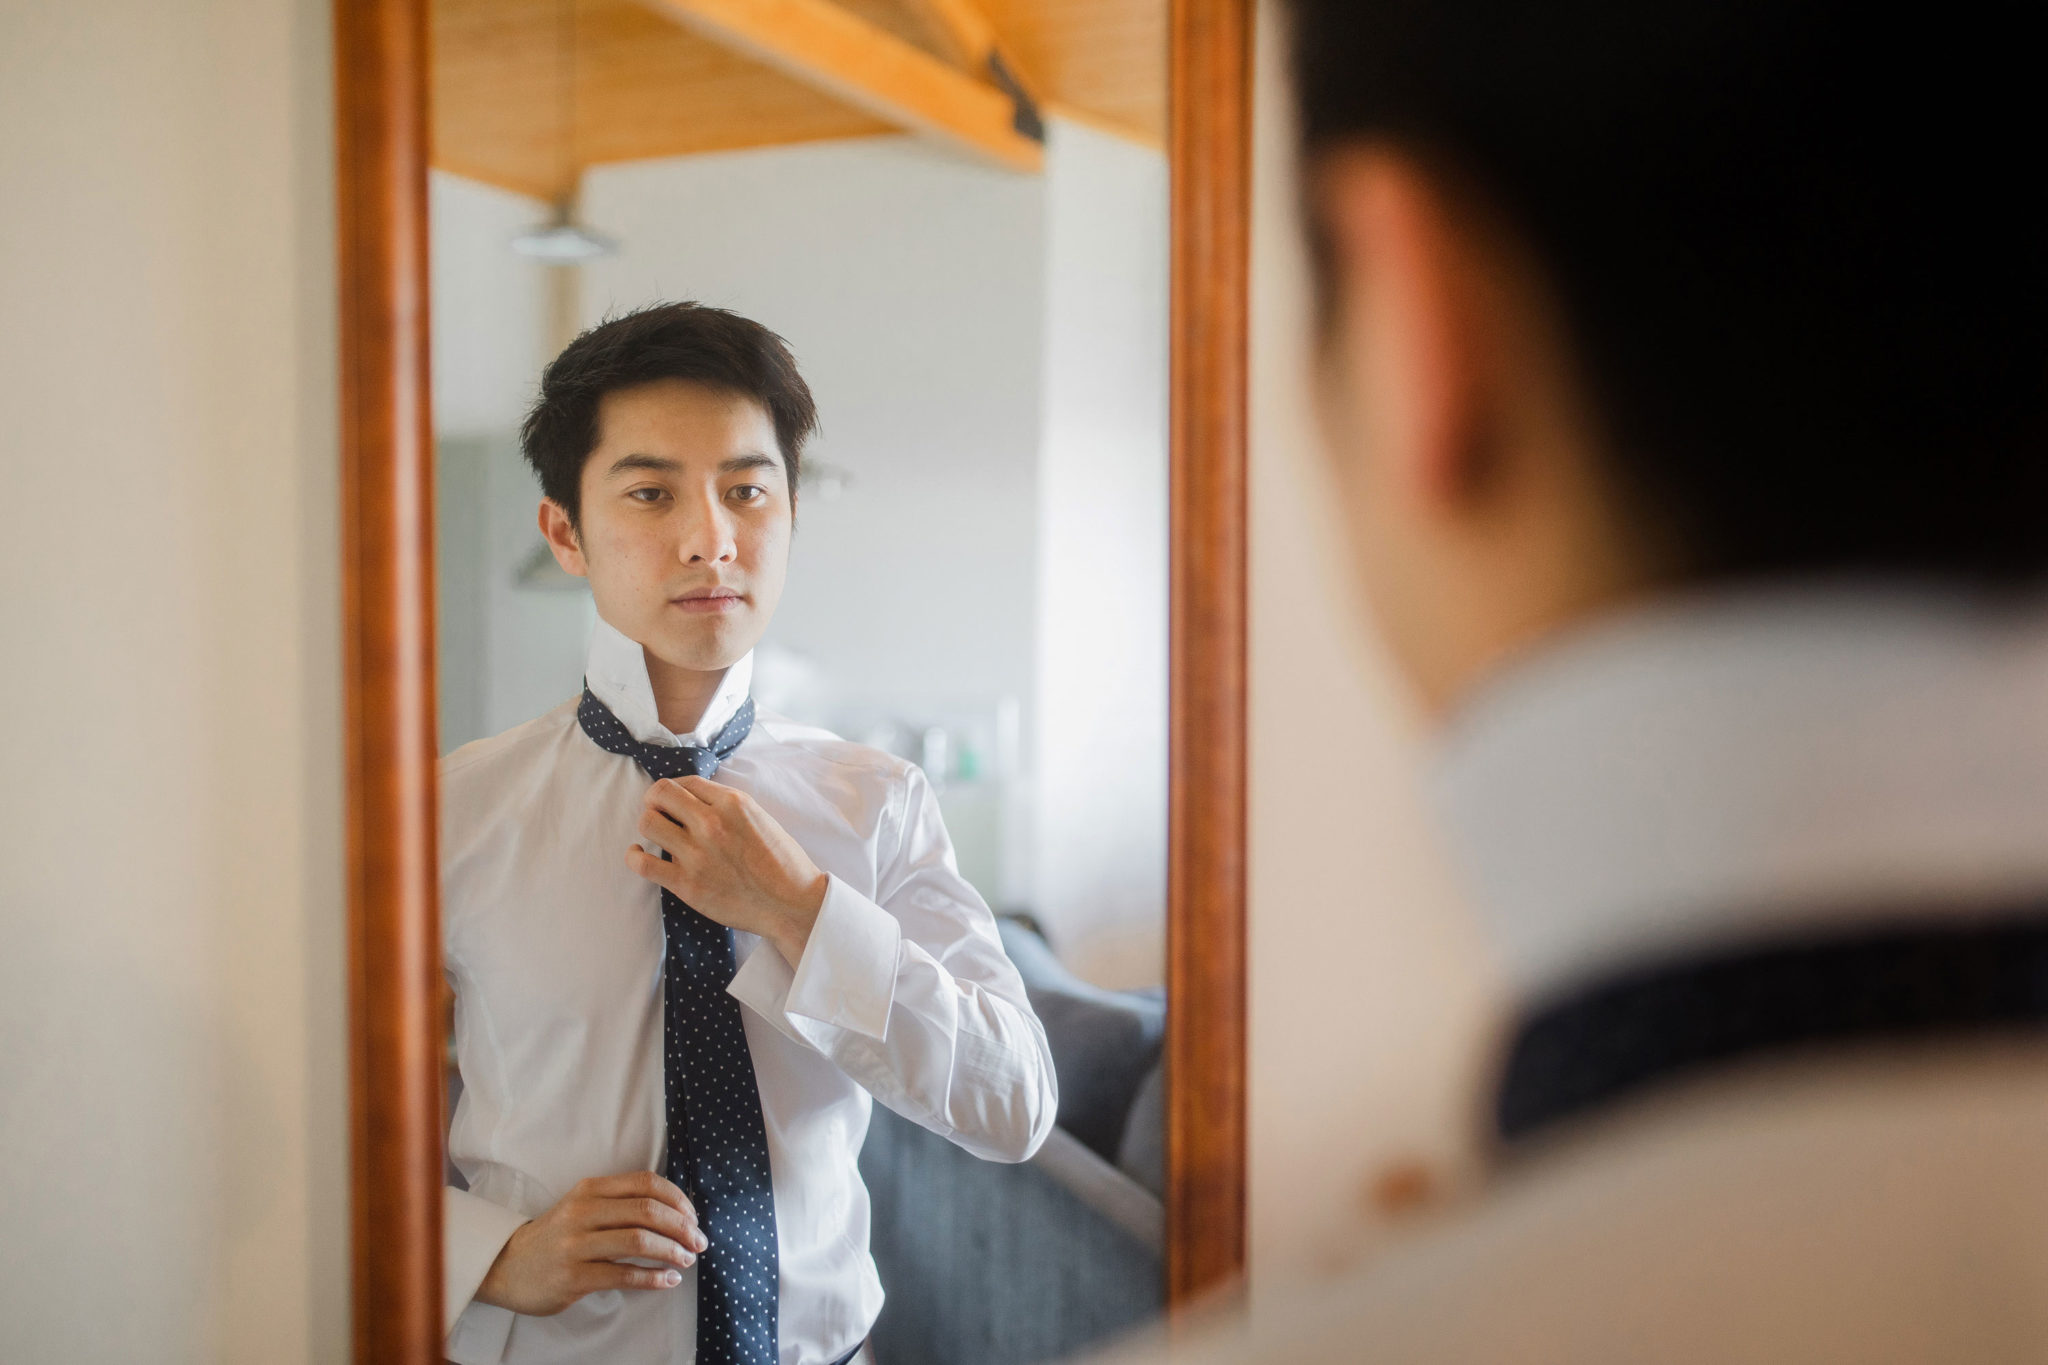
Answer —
904 19
1100 58
653 88
496 91
648 87
643 88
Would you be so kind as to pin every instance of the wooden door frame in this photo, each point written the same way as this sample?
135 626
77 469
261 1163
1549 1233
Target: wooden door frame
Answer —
395 1095
1209 148
387 573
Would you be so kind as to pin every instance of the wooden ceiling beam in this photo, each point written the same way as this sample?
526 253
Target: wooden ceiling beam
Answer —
976 42
831 49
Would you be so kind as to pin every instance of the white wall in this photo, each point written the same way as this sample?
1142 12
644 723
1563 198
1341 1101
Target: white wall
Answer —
506 653
1369 984
173 1118
490 306
1102 606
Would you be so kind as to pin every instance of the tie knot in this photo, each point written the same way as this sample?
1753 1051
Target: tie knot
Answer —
676 760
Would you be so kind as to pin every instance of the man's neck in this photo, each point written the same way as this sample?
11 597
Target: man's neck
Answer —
681 695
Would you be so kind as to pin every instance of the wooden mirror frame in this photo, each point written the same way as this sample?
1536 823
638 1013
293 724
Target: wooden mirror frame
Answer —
387 461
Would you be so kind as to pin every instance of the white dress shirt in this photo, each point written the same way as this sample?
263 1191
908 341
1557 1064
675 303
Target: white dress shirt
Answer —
1680 779
554 950
1686 775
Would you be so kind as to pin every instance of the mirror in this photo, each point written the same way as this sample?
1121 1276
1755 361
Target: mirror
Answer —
955 214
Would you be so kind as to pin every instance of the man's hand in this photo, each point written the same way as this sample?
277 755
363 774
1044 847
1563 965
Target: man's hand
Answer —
732 862
575 1247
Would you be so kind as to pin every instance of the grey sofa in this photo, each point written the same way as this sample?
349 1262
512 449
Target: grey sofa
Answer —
991 1264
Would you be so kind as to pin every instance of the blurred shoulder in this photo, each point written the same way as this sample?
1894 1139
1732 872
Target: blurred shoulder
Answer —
1815 1210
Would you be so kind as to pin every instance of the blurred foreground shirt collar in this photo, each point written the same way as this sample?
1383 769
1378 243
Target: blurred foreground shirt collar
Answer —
616 673
1714 769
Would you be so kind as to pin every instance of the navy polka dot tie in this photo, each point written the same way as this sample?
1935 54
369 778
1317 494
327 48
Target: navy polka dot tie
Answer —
717 1142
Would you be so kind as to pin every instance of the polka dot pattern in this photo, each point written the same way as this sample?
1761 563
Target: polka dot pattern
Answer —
717 1142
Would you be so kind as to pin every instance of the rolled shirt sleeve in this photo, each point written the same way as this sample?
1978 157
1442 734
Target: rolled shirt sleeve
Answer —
911 995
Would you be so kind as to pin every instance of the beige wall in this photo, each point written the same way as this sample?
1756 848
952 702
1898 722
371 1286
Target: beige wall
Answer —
172 1072
1369 985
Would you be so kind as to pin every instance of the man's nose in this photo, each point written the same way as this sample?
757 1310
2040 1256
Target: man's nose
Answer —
707 535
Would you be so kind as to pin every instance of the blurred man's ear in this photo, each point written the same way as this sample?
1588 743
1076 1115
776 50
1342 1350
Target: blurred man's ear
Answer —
1400 369
1479 515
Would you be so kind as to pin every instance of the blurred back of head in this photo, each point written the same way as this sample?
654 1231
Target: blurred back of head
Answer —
1790 246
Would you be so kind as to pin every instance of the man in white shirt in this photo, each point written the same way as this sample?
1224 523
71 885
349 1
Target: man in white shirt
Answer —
676 999
1685 378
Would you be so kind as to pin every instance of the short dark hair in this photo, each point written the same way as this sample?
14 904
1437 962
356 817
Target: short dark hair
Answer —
1793 244
687 341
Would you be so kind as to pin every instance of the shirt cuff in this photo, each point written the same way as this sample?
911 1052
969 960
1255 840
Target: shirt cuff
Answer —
473 1232
847 975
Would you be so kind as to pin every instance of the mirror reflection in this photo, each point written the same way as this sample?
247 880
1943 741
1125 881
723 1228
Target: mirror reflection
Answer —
800 378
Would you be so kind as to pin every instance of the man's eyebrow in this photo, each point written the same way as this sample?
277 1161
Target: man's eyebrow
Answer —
661 464
658 464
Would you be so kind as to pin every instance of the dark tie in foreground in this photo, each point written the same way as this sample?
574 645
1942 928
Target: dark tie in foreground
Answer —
1912 975
717 1143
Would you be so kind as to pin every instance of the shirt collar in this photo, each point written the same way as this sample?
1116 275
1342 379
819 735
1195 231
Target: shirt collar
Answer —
616 673
1709 770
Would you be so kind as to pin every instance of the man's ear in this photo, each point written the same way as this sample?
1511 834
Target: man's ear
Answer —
1403 321
562 538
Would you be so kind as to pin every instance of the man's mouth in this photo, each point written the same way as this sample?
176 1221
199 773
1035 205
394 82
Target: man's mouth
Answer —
708 601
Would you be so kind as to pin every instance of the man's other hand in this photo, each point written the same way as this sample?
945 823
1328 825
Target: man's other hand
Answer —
577 1247
730 860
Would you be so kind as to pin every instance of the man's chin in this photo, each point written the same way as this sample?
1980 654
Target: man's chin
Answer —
705 646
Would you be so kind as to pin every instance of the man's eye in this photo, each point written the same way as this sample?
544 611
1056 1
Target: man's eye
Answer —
645 494
749 492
